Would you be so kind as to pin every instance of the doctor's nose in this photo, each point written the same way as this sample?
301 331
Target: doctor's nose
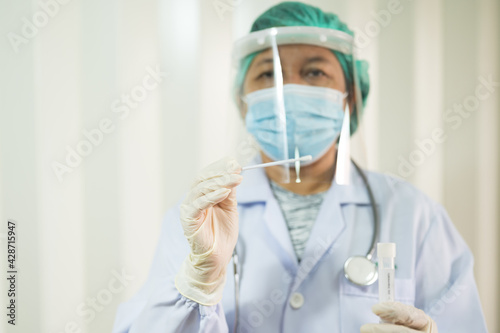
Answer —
294 78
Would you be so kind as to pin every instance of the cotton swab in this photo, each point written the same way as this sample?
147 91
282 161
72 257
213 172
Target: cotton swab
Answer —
265 165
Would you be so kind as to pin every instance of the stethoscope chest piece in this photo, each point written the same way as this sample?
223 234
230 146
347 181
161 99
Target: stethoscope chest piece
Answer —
360 270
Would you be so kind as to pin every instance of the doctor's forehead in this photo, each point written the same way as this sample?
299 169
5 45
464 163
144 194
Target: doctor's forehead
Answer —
297 54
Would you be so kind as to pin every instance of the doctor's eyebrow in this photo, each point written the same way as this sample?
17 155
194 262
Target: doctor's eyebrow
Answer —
264 61
317 59
314 59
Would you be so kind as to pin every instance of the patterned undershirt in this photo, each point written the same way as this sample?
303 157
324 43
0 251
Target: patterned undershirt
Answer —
300 212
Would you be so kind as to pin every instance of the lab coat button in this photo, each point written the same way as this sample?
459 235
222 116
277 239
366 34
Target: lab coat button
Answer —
296 300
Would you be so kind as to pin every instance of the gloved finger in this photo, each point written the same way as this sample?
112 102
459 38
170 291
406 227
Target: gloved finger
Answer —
227 165
386 328
230 201
213 184
193 211
401 314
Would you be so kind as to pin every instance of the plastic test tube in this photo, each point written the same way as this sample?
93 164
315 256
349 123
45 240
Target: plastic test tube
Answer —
386 252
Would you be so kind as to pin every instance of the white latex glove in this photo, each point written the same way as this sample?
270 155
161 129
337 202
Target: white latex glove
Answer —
209 218
404 319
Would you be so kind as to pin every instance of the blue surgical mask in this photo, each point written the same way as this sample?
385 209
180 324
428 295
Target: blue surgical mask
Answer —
314 118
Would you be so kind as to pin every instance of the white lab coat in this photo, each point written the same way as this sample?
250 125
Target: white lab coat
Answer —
277 294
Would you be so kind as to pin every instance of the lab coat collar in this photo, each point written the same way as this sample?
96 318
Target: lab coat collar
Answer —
329 223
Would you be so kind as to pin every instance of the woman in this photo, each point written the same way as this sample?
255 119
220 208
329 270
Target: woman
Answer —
293 238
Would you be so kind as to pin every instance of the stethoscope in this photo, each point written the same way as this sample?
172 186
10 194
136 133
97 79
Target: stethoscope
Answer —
360 270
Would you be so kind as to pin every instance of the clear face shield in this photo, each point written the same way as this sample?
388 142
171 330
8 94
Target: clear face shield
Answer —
297 89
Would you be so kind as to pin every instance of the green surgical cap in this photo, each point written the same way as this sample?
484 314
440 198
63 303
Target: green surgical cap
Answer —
287 14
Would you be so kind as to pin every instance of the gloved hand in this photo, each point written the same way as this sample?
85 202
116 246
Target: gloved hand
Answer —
404 319
210 221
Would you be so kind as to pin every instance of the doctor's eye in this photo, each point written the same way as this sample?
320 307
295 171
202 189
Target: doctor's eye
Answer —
314 73
266 75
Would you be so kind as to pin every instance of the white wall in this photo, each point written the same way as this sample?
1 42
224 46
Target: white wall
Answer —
104 216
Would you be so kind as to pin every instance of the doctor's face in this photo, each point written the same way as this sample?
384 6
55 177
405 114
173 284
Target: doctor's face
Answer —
307 65
301 64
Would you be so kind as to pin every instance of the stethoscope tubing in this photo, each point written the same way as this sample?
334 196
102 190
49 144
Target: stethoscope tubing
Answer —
373 204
